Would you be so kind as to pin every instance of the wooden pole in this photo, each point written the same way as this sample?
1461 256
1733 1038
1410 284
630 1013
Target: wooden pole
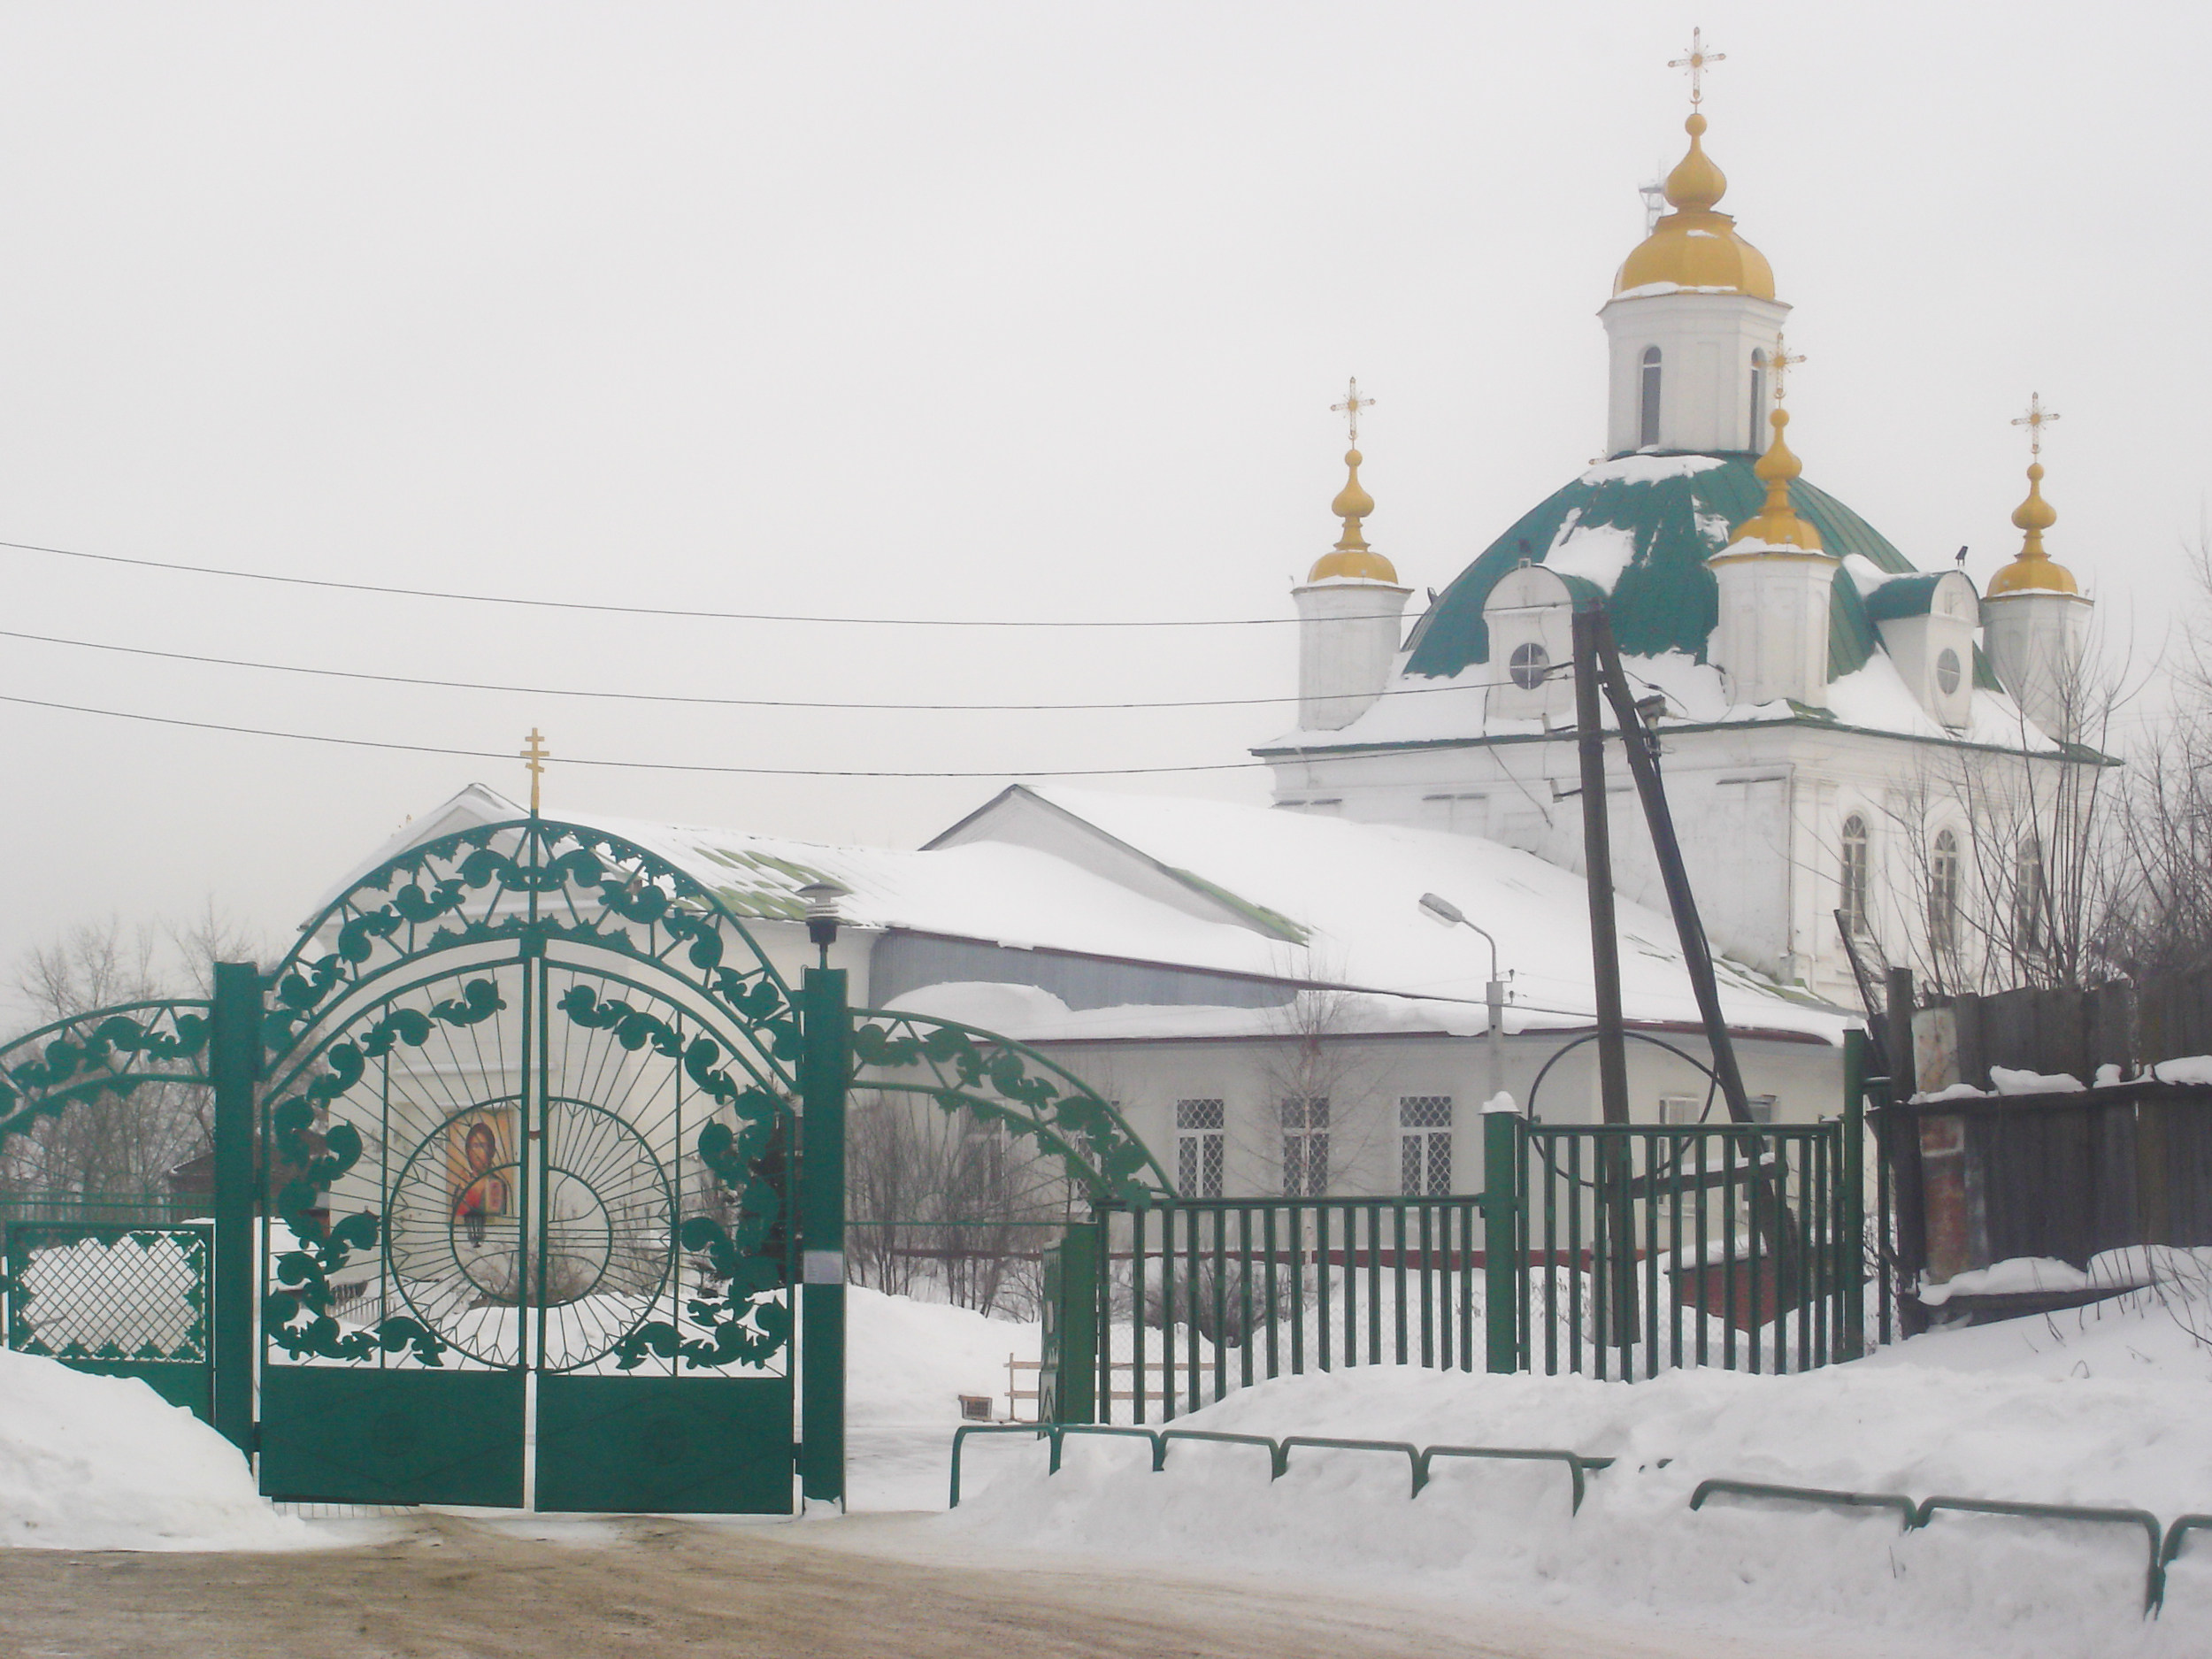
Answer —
1697 953
1597 870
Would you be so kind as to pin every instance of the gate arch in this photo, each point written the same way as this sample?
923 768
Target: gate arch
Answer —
514 1134
529 1114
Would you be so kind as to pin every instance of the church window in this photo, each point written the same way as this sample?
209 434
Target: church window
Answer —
1758 392
1853 898
1305 1146
1200 1148
1647 418
1948 673
1528 665
2030 898
1943 893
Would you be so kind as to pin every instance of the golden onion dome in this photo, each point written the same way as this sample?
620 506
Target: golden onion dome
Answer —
1776 524
1352 558
2032 569
1694 246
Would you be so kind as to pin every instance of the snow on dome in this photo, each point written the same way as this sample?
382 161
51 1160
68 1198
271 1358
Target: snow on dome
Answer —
1650 469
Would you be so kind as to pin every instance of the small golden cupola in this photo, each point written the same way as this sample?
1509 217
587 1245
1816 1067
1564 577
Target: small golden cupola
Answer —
1776 524
1694 247
2033 571
1352 559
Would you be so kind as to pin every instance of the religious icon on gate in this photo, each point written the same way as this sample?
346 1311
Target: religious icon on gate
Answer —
479 1149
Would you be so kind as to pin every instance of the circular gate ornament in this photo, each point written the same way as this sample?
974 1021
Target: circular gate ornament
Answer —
502 1242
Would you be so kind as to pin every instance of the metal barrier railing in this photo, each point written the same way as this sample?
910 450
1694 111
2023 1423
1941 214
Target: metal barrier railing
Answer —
2163 1545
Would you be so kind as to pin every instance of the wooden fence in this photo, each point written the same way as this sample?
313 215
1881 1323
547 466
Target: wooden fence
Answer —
2063 1173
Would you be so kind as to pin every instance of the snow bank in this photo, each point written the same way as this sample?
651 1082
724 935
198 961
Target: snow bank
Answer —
908 1362
104 1462
2104 1406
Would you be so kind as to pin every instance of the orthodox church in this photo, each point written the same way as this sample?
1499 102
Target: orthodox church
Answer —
1850 747
1849 743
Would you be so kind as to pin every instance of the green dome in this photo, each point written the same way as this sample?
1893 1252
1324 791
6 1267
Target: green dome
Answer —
1665 598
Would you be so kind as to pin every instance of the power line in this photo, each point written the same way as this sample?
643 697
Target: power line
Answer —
626 765
658 610
648 696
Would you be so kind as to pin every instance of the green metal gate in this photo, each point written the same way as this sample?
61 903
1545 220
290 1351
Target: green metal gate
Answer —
530 1126
528 1175
115 1301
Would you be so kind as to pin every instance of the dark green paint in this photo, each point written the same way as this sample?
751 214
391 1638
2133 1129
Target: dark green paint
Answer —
1666 599
823 1066
345 1434
1067 1376
236 1056
681 1445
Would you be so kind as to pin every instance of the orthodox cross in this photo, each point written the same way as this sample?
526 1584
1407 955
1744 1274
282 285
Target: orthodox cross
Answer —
2035 420
535 757
1780 364
1350 407
1697 60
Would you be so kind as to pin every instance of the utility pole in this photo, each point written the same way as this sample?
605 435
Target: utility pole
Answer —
1697 953
1597 868
1615 1202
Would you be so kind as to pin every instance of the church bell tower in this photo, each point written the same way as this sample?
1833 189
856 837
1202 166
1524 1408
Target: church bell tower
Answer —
1693 320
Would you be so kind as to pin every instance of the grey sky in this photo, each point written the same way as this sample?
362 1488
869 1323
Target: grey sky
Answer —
926 310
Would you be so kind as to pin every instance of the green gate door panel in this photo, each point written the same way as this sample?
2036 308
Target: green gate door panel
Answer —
686 1445
191 1387
331 1434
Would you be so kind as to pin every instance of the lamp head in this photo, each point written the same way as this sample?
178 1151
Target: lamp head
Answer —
821 911
1441 910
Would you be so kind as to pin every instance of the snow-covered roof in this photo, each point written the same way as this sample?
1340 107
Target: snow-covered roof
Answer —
1639 529
1221 888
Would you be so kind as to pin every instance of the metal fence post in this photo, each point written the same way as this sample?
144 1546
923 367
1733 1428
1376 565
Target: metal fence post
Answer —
826 1030
1067 1379
235 1056
1850 1222
1504 1265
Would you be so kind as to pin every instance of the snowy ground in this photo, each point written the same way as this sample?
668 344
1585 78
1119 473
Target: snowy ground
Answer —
2105 1406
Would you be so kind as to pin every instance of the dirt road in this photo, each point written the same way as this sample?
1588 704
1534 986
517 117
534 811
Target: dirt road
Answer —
452 1588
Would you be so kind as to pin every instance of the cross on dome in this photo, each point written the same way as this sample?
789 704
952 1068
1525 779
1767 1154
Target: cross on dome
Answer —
2035 420
1350 407
1696 60
1781 365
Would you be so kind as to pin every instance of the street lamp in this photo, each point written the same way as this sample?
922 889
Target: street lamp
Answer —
1441 910
820 898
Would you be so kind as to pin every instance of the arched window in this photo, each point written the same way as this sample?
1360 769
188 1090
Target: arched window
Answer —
1528 665
2030 898
1943 895
1852 900
1647 419
1758 394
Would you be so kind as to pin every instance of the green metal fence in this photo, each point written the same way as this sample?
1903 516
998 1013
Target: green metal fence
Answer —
1647 1249
1599 1249
115 1301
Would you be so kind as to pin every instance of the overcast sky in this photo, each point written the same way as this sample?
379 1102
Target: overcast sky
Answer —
1030 310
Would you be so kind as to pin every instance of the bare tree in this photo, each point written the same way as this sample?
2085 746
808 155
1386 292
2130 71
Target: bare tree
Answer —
941 1204
123 1144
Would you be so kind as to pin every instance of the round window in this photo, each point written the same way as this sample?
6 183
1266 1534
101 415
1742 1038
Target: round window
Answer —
1528 665
1947 671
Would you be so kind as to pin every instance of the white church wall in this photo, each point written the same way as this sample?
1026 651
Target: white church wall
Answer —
1705 343
1369 1079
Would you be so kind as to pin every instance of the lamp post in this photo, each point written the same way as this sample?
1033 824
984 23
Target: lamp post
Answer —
1442 909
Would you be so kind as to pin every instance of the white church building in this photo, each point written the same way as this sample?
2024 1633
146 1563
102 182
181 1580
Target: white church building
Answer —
1843 734
1260 988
